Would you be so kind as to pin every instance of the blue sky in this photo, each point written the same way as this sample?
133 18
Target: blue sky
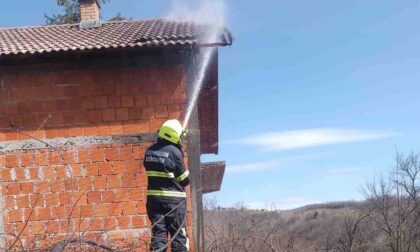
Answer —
315 96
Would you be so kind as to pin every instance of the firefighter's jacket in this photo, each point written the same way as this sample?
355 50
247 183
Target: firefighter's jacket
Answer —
166 172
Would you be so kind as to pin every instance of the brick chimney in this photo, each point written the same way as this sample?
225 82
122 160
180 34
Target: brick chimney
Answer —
89 10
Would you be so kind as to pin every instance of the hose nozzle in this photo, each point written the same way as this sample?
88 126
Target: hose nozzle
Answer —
185 133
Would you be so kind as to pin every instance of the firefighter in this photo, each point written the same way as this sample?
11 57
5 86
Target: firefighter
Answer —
166 197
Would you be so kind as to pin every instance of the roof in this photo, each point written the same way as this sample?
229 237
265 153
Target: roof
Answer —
120 34
212 176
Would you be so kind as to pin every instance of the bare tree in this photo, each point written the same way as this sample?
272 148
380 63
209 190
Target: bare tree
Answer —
388 220
350 235
242 229
393 205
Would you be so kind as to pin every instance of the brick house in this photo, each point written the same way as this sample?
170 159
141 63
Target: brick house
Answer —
78 106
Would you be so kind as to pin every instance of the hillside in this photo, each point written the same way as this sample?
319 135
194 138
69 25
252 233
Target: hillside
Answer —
388 220
309 228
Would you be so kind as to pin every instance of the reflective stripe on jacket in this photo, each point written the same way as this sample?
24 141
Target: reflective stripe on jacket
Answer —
166 172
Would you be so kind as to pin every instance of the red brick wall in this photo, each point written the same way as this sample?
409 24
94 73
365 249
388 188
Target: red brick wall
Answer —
93 102
100 189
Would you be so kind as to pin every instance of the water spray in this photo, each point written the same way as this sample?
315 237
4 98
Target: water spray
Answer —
211 16
201 74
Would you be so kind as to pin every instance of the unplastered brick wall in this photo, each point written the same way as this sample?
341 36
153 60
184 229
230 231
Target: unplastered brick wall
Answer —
91 102
96 191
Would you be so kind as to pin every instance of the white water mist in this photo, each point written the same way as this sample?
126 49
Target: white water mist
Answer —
198 84
207 12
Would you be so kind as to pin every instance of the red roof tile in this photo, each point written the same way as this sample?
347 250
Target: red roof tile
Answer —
123 34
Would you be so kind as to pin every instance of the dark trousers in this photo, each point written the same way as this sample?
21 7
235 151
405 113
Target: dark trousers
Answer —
165 223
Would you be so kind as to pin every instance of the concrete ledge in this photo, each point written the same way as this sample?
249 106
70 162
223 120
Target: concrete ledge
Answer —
33 144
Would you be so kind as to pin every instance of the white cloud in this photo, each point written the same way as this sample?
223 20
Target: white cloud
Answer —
283 204
272 164
296 139
252 167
